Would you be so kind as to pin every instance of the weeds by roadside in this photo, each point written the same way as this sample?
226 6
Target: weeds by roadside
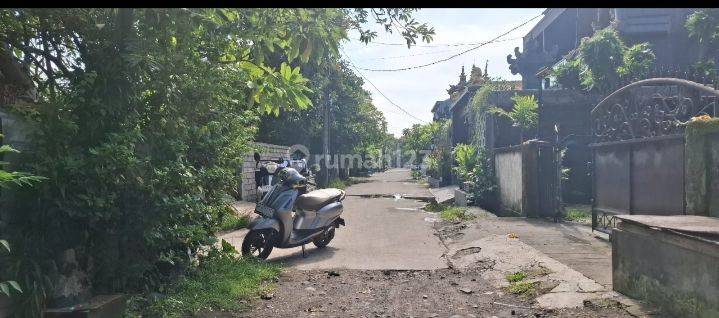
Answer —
416 175
578 213
523 288
435 207
449 213
519 286
342 184
219 283
233 222
454 214
515 277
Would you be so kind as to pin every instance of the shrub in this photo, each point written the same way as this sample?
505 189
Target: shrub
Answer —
524 114
605 60
337 183
602 53
219 283
637 61
516 277
455 214
475 166
569 74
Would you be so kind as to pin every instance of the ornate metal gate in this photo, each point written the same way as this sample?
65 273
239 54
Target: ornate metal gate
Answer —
638 153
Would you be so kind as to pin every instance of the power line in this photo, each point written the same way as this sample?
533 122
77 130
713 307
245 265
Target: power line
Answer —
379 91
426 53
439 44
452 56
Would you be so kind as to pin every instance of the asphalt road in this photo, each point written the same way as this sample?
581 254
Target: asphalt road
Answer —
383 232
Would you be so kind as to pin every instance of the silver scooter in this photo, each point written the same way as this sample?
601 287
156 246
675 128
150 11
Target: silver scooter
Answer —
292 217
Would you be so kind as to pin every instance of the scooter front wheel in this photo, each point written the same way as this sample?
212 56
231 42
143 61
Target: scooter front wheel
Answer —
258 244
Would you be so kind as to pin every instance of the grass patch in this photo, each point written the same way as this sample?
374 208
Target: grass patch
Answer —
416 175
449 213
435 207
454 214
523 288
233 222
512 278
342 184
337 183
578 213
219 283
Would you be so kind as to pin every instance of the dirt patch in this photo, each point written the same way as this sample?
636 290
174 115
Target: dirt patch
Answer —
451 231
362 293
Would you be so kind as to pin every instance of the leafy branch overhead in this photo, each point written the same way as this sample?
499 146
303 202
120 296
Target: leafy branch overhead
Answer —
142 119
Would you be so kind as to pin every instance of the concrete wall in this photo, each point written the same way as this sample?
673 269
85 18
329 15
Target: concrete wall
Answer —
677 273
527 175
248 188
508 169
701 183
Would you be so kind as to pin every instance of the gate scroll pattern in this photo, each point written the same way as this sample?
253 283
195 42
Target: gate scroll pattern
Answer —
644 119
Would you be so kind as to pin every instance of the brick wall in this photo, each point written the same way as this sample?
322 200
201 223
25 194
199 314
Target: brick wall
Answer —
248 188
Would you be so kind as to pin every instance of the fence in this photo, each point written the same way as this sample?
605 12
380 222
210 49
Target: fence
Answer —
527 178
639 154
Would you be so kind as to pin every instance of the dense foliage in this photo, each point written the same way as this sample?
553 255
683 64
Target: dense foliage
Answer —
703 26
474 166
568 74
604 61
142 117
524 113
356 125
417 140
9 179
220 283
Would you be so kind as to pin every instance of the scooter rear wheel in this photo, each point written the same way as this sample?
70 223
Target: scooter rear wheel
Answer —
257 244
325 239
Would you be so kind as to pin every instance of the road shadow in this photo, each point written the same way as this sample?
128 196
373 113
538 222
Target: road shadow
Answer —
312 255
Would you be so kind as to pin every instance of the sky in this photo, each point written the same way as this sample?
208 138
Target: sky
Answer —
417 90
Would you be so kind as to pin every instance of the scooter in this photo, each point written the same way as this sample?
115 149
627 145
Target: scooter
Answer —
265 171
291 216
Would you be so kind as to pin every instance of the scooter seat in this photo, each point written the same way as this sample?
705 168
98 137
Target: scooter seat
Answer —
317 199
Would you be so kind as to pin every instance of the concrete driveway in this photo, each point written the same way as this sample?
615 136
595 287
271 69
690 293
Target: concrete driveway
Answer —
381 232
389 183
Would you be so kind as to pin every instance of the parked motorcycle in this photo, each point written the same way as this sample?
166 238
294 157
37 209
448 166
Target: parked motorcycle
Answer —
266 170
291 216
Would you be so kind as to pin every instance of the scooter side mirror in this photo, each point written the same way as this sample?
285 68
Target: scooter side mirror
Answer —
257 157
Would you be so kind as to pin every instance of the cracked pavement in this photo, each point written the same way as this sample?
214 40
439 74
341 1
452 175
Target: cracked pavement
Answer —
394 259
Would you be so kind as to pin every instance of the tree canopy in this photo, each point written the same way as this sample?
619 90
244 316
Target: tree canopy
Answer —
141 117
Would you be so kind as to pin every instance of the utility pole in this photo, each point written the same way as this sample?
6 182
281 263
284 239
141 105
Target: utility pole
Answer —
326 141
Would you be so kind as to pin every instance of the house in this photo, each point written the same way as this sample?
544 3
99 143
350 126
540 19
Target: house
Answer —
460 108
561 30
440 110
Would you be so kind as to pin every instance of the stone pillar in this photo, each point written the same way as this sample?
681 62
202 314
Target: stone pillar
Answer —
701 166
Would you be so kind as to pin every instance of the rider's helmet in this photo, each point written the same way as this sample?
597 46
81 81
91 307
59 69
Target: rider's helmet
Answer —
291 178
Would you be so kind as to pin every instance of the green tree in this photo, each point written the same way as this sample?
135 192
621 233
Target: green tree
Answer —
142 119
637 61
474 166
703 26
603 55
9 179
523 115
